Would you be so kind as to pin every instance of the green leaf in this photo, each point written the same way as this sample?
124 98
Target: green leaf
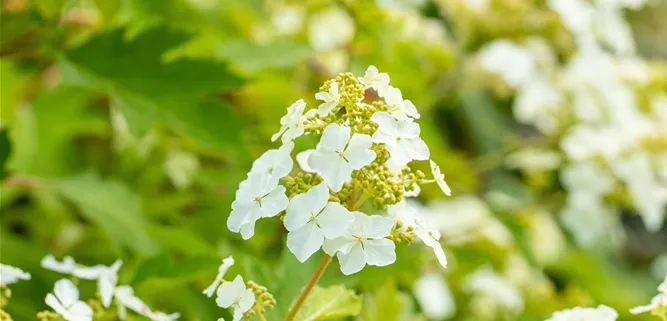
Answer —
388 304
179 94
253 57
110 205
293 276
179 239
164 267
327 303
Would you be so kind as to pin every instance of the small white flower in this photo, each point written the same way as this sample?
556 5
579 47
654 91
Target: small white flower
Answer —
440 178
235 295
401 138
311 218
274 163
291 125
601 313
404 110
222 269
106 276
375 79
127 300
363 243
10 274
408 213
514 63
66 302
337 155
330 99
434 297
257 197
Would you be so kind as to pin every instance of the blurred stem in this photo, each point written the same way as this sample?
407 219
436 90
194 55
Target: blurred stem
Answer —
309 287
351 205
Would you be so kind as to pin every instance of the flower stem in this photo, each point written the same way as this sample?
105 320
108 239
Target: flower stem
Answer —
309 287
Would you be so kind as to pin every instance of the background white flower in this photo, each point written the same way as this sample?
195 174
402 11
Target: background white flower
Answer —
488 288
363 243
10 274
222 269
126 299
310 218
434 296
601 313
66 302
235 295
401 138
330 28
337 155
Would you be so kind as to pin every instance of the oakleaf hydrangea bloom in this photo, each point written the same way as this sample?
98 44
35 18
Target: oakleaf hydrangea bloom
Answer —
235 295
364 243
245 301
311 218
658 305
338 154
106 276
601 313
361 164
10 274
65 301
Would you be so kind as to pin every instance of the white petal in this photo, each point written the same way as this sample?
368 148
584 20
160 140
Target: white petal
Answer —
66 292
437 250
302 160
238 315
275 202
81 311
353 261
304 206
229 292
383 137
410 109
376 226
247 300
380 252
243 214
53 302
358 152
305 241
10 274
275 162
335 137
387 123
416 148
106 285
341 244
49 262
334 220
247 230
332 167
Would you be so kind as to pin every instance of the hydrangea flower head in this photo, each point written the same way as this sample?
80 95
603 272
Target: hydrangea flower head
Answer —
360 165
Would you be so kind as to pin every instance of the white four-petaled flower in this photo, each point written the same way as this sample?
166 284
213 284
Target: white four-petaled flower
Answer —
440 178
235 295
337 155
291 125
363 243
330 99
311 218
375 79
408 214
222 269
66 302
10 274
401 137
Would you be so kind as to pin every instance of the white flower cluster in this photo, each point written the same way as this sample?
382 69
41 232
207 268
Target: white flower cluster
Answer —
600 105
231 294
601 313
658 305
360 163
493 294
11 275
65 298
